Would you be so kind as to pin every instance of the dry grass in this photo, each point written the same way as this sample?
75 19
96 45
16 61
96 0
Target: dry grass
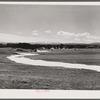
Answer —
19 76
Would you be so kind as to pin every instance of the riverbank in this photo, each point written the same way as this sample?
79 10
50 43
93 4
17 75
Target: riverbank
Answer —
21 76
20 58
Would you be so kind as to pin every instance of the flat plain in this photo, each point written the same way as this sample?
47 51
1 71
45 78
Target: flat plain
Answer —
21 76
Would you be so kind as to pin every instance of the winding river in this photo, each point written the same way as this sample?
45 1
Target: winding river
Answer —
20 58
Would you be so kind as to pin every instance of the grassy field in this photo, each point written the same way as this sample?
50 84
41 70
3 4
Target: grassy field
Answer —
81 56
20 76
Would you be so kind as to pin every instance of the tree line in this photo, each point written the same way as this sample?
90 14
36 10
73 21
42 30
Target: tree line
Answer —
48 46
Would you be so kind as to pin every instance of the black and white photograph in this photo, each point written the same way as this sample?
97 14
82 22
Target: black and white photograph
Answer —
49 47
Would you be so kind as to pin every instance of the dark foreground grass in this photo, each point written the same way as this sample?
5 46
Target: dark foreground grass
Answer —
20 76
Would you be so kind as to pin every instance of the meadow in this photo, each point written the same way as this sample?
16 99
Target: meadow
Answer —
78 56
20 76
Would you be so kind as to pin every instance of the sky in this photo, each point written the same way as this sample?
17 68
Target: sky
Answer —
49 23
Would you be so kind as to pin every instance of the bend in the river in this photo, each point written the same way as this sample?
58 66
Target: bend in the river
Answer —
20 58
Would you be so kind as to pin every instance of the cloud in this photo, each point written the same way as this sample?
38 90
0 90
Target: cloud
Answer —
62 33
79 37
19 38
16 38
68 34
48 31
61 37
34 33
19 33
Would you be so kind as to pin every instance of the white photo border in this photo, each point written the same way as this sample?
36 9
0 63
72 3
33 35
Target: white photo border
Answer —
51 94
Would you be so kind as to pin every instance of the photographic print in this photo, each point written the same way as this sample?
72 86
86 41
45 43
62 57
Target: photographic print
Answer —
49 47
